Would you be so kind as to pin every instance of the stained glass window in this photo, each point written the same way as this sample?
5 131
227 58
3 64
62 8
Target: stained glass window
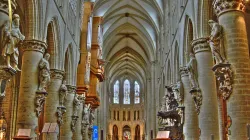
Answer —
126 99
116 92
137 93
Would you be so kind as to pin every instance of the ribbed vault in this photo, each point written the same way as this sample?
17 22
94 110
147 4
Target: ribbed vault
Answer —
130 31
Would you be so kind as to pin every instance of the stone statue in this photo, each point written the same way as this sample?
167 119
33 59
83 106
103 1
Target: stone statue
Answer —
214 41
86 113
62 93
44 75
91 117
191 75
77 103
11 40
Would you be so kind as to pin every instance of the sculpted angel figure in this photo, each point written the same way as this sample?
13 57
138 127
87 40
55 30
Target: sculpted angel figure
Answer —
44 75
11 40
214 40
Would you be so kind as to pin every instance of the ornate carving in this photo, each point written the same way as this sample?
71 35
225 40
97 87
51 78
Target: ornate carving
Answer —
85 120
71 89
44 73
73 123
56 74
191 75
62 93
11 42
6 73
171 115
78 99
60 112
4 6
214 41
39 102
200 44
224 76
222 6
34 45
86 113
197 97
177 93
91 118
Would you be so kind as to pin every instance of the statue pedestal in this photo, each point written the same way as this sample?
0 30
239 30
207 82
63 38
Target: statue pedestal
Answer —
224 76
6 72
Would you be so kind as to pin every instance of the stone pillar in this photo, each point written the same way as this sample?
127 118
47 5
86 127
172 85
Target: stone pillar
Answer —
52 101
208 117
191 123
231 18
26 115
65 130
77 134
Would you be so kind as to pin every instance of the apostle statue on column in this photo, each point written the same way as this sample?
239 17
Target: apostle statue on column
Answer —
44 75
86 113
191 74
11 41
62 93
214 41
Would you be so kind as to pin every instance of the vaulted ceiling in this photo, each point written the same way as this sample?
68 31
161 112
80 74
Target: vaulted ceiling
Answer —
130 33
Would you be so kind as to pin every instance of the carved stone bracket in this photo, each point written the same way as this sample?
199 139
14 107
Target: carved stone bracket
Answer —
60 112
73 123
197 97
5 74
224 76
39 102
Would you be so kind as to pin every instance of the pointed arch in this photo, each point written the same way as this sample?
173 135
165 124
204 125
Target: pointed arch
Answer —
68 65
53 41
126 92
116 92
137 92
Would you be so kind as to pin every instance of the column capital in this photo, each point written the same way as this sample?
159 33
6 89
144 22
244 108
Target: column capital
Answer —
200 45
184 71
71 89
222 6
34 45
57 74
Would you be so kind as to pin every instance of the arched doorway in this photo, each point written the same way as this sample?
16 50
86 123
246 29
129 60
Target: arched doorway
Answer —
126 133
137 132
115 133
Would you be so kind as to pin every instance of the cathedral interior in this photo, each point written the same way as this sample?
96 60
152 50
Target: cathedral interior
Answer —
124 69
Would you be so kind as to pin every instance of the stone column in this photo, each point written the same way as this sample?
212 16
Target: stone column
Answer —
26 115
52 101
231 18
208 117
191 123
65 130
